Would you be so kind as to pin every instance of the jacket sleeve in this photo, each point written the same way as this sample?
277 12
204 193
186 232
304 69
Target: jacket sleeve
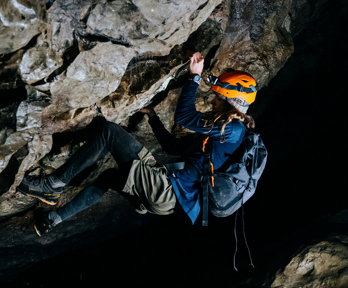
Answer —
186 114
168 141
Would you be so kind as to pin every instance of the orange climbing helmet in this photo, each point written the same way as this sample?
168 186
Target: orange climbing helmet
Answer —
239 87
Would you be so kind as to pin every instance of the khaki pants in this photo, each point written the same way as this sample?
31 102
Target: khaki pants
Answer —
151 184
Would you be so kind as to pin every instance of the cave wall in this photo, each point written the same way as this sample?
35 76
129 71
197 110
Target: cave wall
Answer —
66 60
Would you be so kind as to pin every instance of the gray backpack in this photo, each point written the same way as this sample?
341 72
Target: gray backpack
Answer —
235 182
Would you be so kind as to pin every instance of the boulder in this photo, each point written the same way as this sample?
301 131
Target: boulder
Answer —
323 265
38 63
92 76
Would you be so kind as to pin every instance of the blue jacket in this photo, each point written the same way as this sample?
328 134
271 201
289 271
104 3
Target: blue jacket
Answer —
187 185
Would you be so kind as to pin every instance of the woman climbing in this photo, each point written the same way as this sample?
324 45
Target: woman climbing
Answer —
150 186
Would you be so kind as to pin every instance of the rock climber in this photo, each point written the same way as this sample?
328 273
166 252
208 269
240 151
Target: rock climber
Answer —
150 186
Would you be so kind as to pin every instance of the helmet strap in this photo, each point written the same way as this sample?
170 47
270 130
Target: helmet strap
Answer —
216 82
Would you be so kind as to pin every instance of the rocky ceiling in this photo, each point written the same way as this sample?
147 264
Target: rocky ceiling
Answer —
64 59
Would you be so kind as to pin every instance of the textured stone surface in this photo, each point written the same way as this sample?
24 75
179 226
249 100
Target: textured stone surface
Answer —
27 136
92 76
119 56
149 26
257 38
38 63
20 21
322 265
63 18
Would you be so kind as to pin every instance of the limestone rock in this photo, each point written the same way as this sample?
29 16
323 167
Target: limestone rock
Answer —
27 134
149 26
20 22
63 17
257 39
28 125
324 264
38 63
125 106
47 56
92 76
13 143
95 73
13 202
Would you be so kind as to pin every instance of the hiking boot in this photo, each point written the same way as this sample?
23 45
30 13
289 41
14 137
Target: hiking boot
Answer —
42 223
46 188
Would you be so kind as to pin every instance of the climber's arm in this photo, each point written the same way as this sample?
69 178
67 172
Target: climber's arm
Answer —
168 141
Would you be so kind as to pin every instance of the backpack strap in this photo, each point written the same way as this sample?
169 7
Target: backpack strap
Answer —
207 181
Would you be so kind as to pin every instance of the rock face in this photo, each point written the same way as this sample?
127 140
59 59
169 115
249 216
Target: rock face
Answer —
324 264
38 63
149 26
251 44
120 56
79 59
20 22
91 77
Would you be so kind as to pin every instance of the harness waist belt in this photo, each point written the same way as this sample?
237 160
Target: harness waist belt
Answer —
175 166
172 167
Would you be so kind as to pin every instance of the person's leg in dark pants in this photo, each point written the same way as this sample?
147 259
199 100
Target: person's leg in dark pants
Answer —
114 179
124 148
108 137
111 137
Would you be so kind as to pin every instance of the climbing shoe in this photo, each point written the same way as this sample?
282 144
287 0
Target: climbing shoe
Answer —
46 188
42 223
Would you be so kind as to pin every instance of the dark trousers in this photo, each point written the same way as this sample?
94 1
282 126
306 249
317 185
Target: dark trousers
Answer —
107 137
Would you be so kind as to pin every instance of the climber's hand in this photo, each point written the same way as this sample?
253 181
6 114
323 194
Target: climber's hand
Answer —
196 63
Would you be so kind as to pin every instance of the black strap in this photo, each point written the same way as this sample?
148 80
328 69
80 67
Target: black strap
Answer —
215 81
206 187
238 87
206 184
